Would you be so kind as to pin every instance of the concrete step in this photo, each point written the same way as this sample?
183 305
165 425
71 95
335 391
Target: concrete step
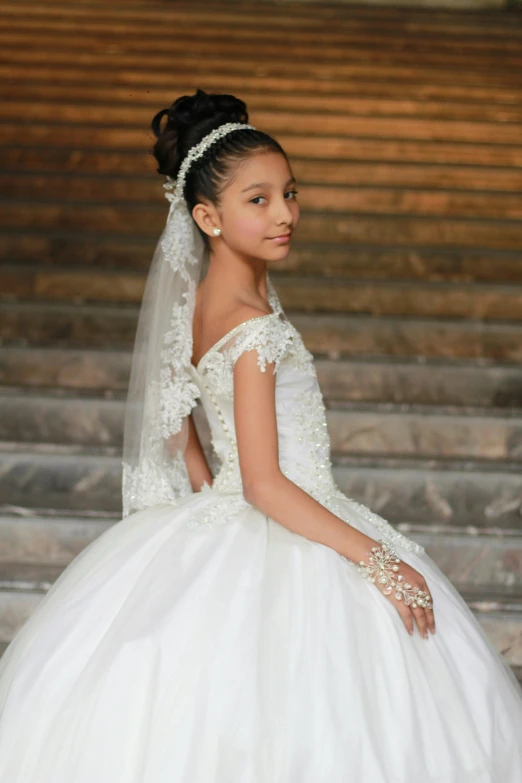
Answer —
416 381
22 587
472 560
51 539
355 428
439 495
309 294
417 494
333 336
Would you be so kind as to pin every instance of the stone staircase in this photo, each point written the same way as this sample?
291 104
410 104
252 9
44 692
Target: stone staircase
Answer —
404 128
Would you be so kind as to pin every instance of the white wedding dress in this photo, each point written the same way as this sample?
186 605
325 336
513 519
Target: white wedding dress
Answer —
203 642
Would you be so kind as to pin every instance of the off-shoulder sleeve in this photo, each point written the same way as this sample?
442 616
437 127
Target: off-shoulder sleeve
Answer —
270 336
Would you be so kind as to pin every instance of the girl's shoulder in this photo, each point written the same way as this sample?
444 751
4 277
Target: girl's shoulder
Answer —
270 334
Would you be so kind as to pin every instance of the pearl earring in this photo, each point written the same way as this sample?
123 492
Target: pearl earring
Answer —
216 231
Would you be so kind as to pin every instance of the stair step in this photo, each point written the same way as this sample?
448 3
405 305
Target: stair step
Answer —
349 261
466 27
325 198
328 63
83 369
22 588
475 433
67 325
60 481
434 494
133 168
309 294
418 494
273 115
416 381
345 42
52 540
472 560
384 230
334 146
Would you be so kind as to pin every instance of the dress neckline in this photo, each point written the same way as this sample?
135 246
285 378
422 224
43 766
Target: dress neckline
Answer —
276 310
230 333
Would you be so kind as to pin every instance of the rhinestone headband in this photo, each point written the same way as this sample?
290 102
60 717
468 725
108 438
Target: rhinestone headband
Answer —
196 152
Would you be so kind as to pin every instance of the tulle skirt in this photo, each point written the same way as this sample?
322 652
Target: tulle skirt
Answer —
244 653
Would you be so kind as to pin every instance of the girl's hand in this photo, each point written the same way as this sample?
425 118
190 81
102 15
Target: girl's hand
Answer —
424 617
394 577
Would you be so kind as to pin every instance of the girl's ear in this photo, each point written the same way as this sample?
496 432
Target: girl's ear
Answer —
206 218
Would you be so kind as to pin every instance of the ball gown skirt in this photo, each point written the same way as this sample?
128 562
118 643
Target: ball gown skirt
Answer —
245 653
201 641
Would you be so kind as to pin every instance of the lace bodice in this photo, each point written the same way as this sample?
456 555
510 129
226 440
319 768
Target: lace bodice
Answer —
303 440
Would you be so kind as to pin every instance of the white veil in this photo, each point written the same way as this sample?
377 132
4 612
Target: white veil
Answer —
161 391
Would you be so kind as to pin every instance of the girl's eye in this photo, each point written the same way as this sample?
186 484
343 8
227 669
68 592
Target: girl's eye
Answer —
252 201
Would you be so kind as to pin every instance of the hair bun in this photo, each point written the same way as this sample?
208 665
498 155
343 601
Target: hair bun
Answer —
189 119
156 122
189 110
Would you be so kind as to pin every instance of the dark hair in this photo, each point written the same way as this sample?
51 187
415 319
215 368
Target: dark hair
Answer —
189 119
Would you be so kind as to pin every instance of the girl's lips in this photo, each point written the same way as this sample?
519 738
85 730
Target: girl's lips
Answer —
281 239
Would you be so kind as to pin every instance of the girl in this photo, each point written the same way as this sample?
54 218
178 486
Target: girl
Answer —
256 625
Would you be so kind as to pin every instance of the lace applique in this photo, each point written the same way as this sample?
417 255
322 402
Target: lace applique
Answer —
274 338
219 511
151 475
178 392
271 338
217 374
149 485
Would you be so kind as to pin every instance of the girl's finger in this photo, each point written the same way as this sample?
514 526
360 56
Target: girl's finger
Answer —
420 617
430 617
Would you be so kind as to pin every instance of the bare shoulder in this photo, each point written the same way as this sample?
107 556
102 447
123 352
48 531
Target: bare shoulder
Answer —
243 313
208 333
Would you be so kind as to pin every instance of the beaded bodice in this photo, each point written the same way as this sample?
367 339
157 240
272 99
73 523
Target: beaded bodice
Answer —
303 440
304 446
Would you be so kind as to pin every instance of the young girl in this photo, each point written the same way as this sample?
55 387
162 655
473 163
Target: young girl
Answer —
256 625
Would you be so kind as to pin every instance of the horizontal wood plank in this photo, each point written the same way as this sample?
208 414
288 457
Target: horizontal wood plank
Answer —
22 161
312 198
332 148
378 297
383 231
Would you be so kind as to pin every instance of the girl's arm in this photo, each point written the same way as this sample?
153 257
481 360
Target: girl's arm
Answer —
264 484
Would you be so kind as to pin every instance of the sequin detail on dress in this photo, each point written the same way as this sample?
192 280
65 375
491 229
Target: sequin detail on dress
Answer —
305 447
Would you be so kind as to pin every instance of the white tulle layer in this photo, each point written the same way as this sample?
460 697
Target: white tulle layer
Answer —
245 653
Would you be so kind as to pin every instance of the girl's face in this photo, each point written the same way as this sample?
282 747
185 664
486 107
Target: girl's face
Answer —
258 205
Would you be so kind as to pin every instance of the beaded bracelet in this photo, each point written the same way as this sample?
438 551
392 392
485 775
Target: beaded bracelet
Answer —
382 570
